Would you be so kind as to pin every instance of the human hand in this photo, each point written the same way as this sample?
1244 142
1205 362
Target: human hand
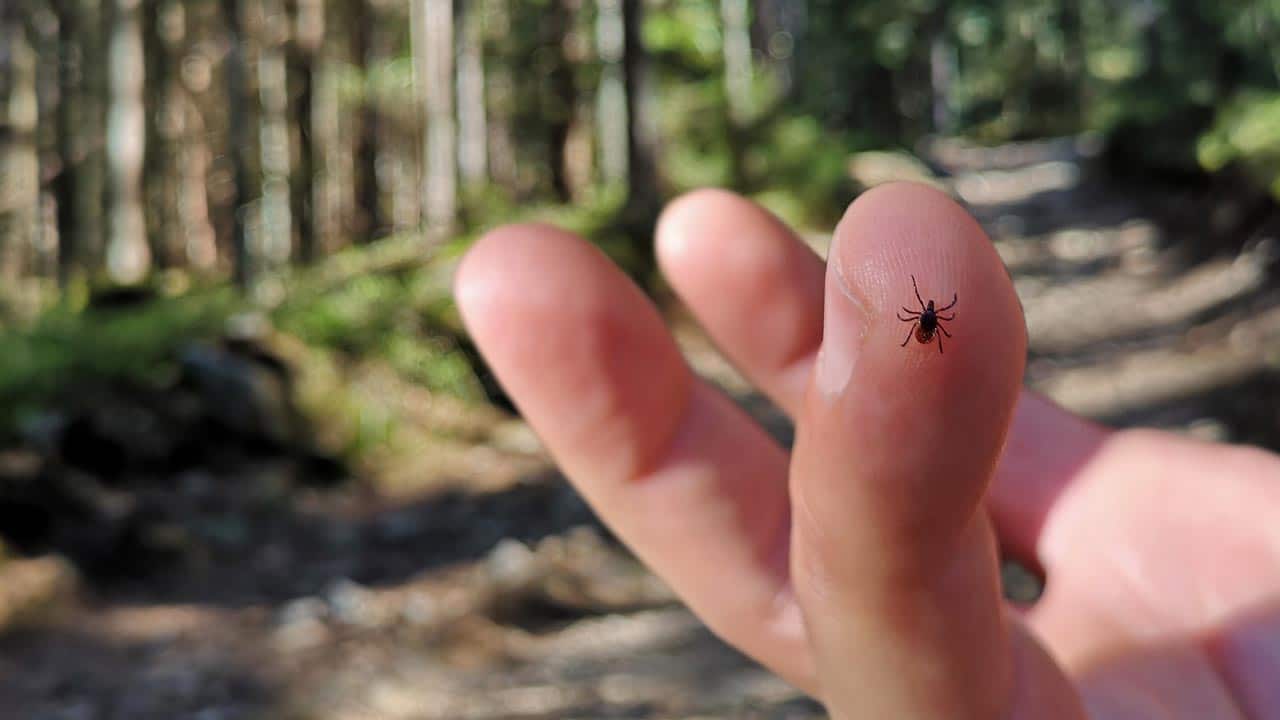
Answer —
862 566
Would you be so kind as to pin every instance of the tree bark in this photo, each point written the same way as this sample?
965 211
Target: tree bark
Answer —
472 130
43 29
155 182
368 219
435 53
238 131
308 36
93 196
611 99
560 95
200 246
165 34
736 15
276 238
19 162
643 195
66 183
128 254
500 94
778 30
580 145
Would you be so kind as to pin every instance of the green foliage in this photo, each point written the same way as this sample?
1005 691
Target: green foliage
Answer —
65 348
789 160
686 37
379 302
698 150
401 317
800 176
350 318
1247 133
346 422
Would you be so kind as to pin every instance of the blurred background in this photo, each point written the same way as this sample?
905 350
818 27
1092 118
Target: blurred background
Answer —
252 467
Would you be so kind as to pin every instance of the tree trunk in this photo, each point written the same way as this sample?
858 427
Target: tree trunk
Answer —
65 184
435 55
154 181
192 242
611 100
43 29
165 34
19 163
200 246
736 15
128 254
779 27
238 135
369 222
500 92
560 95
472 141
308 36
276 238
580 146
93 195
643 197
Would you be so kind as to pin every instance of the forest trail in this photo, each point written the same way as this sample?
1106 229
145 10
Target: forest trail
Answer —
497 596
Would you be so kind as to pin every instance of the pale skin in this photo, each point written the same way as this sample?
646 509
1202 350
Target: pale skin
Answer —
862 564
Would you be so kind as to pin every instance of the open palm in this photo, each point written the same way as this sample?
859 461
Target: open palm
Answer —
862 565
1163 560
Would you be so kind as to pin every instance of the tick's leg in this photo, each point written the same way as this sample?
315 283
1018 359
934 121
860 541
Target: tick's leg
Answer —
948 319
940 340
913 332
954 298
909 317
909 311
913 287
944 330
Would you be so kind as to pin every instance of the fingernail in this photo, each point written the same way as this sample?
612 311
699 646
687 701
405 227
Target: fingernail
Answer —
844 327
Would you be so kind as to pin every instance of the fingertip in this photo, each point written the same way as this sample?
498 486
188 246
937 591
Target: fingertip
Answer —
479 272
904 194
518 269
925 413
899 191
900 238
470 286
685 221
898 203
750 281
498 253
580 349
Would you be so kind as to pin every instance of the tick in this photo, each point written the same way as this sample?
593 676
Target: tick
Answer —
926 323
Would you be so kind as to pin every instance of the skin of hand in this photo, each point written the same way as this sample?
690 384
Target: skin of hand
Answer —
862 565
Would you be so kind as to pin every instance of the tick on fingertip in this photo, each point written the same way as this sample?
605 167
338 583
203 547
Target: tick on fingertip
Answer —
926 323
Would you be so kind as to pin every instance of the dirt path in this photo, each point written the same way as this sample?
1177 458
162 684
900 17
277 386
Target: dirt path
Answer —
484 589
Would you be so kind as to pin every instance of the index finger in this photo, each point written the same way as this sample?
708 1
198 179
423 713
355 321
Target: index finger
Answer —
694 486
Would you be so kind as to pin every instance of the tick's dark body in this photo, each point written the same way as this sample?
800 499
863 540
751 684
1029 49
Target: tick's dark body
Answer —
927 322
